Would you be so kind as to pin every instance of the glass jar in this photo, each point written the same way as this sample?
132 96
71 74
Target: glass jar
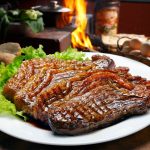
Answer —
106 17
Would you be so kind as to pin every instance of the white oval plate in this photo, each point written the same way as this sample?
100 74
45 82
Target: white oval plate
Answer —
26 131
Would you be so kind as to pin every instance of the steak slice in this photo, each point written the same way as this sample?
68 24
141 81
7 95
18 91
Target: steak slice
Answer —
98 105
99 100
86 113
75 97
37 78
31 67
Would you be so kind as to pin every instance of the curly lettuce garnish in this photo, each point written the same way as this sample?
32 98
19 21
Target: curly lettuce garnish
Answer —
69 54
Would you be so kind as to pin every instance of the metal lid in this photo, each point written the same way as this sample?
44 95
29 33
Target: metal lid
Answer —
54 7
107 3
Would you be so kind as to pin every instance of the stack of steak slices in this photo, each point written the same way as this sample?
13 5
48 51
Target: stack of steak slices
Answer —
75 97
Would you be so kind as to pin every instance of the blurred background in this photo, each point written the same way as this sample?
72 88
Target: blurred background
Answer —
134 14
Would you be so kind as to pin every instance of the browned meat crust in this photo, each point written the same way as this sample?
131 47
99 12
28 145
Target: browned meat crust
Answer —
32 67
77 97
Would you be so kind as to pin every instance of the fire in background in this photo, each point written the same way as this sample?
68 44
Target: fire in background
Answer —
79 37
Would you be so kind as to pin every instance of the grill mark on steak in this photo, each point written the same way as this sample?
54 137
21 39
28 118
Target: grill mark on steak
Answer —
34 66
56 92
77 97
89 120
35 84
108 105
93 81
25 100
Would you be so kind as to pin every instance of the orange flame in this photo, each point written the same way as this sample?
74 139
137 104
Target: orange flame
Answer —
79 38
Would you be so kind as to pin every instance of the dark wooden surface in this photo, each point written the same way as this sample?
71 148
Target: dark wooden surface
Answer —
52 39
137 141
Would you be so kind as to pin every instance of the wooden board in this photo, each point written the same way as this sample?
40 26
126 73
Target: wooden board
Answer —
52 39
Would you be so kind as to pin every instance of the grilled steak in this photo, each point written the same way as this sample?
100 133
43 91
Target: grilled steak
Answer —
97 101
35 66
76 97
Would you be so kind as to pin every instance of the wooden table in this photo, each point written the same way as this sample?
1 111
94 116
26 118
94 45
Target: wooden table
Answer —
51 38
137 141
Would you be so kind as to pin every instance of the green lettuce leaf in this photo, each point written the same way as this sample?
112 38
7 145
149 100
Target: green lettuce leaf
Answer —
69 54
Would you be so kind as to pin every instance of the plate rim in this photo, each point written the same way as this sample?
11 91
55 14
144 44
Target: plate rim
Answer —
75 144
